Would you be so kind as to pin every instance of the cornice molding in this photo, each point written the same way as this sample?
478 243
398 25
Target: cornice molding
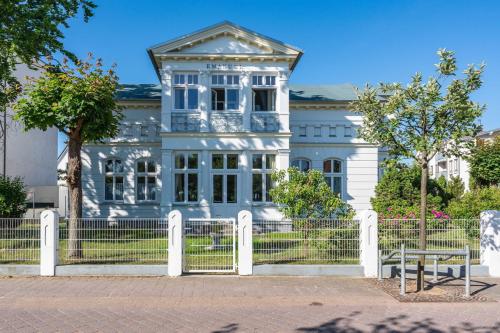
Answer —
225 135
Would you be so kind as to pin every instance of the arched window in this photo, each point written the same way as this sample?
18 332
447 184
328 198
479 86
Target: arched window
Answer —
146 180
302 164
113 180
334 174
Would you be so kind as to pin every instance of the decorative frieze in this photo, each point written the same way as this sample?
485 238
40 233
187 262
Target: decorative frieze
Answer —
185 122
265 122
226 122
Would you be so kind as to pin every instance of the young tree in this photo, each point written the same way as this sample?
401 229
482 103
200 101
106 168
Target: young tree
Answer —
420 119
29 31
80 102
484 163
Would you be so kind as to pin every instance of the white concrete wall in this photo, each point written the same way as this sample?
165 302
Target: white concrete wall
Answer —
31 155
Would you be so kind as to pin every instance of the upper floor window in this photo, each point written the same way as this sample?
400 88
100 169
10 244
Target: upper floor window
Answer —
146 180
263 99
302 131
224 178
113 180
347 131
332 131
224 94
302 164
263 166
185 91
186 169
333 171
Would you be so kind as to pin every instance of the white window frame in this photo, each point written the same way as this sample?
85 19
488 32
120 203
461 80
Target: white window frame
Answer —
332 131
266 80
348 131
224 172
185 171
146 174
332 175
265 172
186 86
114 174
302 131
300 161
226 86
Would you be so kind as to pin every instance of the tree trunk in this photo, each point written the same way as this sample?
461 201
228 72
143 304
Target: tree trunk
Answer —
74 180
422 225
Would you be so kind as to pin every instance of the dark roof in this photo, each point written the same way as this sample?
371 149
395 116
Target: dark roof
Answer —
298 93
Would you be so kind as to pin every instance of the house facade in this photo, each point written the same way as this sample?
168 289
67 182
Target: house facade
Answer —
454 166
224 117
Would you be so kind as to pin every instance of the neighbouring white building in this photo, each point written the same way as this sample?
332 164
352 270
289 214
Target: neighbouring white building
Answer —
32 156
224 116
453 166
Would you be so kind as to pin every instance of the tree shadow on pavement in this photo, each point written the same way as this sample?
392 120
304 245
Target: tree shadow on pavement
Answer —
400 323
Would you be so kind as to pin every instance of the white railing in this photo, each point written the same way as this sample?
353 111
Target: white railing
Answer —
19 241
442 234
122 240
306 241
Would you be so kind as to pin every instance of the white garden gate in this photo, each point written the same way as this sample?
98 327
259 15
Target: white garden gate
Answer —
209 245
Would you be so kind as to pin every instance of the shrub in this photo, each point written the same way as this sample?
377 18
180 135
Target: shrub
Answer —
474 202
397 195
12 197
485 163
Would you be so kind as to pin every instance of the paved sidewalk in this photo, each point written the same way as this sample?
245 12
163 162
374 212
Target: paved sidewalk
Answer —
228 304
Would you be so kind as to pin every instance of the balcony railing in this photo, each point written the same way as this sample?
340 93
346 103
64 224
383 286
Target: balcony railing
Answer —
265 122
185 122
226 122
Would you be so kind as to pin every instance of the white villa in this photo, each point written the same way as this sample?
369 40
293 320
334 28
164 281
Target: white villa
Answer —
224 116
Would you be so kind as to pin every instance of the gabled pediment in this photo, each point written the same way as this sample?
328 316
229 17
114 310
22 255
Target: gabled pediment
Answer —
225 39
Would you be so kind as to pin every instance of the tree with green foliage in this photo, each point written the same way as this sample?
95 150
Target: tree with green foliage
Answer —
30 31
12 197
472 203
484 163
79 101
306 195
422 118
455 188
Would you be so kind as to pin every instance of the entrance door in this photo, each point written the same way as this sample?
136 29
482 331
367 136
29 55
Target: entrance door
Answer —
210 245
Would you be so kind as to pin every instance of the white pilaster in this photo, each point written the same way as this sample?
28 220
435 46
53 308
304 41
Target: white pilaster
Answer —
283 102
246 89
166 100
245 246
490 241
368 242
204 189
175 245
166 181
283 159
204 101
246 180
49 237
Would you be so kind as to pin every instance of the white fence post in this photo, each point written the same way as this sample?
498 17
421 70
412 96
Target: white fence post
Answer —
175 243
49 237
245 247
490 241
368 241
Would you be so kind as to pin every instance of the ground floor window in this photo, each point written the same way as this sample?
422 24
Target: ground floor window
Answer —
262 167
146 180
186 170
333 171
224 168
113 180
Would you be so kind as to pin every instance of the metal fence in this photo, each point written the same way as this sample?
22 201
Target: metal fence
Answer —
122 240
306 241
442 234
210 245
19 241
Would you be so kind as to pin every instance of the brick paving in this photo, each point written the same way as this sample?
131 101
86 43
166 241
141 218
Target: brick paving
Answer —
229 304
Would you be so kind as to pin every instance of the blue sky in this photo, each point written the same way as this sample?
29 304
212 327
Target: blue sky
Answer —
343 41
